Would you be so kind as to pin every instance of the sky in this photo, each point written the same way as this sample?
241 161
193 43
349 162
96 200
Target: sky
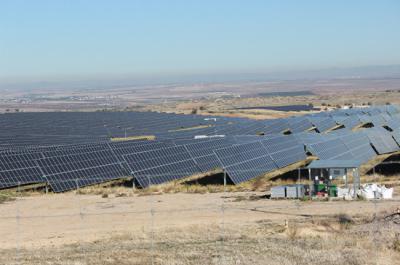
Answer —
42 40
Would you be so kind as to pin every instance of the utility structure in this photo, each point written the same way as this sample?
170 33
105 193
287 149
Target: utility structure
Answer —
335 169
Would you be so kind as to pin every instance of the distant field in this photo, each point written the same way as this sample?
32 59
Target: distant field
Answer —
215 97
286 93
284 108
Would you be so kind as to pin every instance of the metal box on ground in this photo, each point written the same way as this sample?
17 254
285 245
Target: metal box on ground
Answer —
295 191
278 192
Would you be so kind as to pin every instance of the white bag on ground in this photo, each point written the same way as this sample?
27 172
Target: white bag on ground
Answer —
387 193
367 193
374 191
342 192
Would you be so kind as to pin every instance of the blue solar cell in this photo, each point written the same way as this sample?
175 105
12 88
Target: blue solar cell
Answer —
279 143
350 122
166 164
383 143
208 162
299 125
251 168
328 149
289 156
65 172
323 124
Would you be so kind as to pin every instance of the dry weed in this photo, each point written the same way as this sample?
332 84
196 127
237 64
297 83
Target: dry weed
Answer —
292 231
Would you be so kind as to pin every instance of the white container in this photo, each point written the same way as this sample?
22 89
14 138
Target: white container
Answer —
278 192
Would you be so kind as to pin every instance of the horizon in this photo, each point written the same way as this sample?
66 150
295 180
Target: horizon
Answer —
366 72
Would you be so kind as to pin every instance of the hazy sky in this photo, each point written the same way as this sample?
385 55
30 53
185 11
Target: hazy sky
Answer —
42 39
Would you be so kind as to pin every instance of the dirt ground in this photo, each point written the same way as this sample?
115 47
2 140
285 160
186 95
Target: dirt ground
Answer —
212 228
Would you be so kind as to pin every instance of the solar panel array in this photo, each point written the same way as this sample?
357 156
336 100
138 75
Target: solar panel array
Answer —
359 146
19 169
382 142
70 150
330 149
203 155
323 124
161 165
246 161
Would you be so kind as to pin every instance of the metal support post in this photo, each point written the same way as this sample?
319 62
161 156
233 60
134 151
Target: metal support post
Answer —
298 175
311 189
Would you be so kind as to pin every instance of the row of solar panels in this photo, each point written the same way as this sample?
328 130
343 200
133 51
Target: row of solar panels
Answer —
155 162
150 162
44 129
292 125
97 124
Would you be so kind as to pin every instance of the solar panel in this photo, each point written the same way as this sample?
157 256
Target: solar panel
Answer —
383 143
338 118
396 136
203 155
328 149
350 122
394 123
238 153
386 117
378 120
280 143
202 148
82 177
339 132
161 165
242 139
276 126
299 125
65 172
323 124
251 168
19 169
289 156
364 118
343 156
74 150
354 140
245 161
125 148
309 138
363 153
391 109
166 172
207 162
373 111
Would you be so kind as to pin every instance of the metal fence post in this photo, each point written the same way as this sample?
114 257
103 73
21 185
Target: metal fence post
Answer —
151 223
18 218
311 186
80 217
222 255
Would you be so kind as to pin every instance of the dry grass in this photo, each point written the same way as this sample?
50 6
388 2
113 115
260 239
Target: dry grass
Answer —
344 220
259 184
6 196
396 243
300 244
131 138
292 231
